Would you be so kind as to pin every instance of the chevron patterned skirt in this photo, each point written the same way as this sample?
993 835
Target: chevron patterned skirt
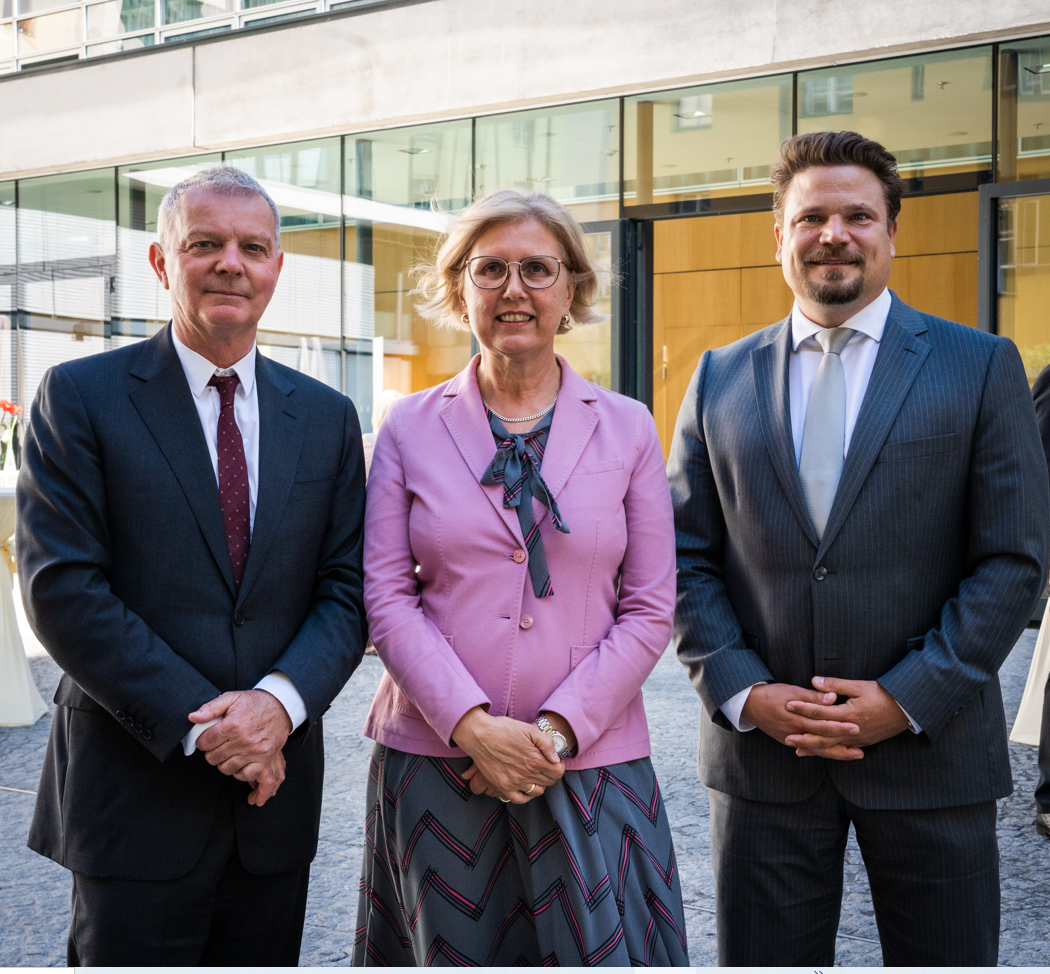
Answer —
583 875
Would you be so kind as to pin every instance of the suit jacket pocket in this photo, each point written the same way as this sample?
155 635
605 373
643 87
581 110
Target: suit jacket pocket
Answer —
915 643
751 641
910 449
69 694
597 466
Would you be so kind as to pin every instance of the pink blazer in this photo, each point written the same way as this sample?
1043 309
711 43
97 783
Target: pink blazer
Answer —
466 629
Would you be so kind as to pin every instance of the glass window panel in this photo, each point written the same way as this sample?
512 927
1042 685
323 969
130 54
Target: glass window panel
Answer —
710 141
8 347
1024 110
301 326
123 44
570 153
7 40
186 35
278 18
49 32
7 8
66 269
35 6
140 304
933 112
588 348
248 4
1024 278
410 167
119 17
177 11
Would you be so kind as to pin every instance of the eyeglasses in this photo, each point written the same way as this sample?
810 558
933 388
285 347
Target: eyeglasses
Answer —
492 272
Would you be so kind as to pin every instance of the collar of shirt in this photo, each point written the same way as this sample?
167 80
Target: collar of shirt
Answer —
869 322
199 370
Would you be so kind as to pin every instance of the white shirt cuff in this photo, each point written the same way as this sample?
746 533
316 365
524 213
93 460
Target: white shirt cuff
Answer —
912 726
275 683
734 706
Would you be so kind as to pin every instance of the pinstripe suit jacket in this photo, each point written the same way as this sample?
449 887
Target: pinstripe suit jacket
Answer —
934 554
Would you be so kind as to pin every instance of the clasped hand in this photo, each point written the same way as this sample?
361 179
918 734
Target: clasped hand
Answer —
816 726
248 739
509 756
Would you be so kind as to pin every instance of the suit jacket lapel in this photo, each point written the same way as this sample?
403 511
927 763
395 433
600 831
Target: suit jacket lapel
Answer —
769 367
464 417
574 422
900 356
165 403
282 427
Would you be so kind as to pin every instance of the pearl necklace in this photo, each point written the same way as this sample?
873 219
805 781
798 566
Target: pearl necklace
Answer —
524 419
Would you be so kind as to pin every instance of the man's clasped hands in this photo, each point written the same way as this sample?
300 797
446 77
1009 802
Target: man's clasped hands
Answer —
816 726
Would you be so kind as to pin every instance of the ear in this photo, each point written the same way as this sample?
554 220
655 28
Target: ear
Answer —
159 265
893 237
571 293
780 242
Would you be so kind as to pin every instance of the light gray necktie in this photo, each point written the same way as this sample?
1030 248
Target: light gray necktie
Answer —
824 435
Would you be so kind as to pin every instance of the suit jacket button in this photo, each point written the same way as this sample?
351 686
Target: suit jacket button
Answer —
820 574
238 620
525 622
519 555
129 721
137 728
119 715
148 735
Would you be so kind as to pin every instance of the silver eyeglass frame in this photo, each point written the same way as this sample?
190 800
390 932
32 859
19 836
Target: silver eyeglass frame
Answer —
506 276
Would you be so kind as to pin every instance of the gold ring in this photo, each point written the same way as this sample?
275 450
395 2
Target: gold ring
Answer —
506 801
532 788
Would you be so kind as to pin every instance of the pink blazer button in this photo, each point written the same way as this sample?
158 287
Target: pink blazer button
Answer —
519 555
526 622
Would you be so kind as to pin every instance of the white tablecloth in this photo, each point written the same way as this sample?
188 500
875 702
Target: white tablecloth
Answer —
20 701
1030 716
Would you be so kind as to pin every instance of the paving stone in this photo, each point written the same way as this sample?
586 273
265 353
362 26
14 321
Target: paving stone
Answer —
34 893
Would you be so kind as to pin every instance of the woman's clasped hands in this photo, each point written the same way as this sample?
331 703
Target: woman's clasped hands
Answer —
513 761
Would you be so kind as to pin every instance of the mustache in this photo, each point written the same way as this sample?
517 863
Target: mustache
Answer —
833 253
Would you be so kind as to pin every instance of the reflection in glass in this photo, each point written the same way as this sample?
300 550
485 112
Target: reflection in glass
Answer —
301 326
257 3
139 302
1024 110
118 17
7 41
7 8
413 167
588 348
177 11
122 44
35 6
933 112
1024 278
46 33
570 153
710 141
66 269
8 360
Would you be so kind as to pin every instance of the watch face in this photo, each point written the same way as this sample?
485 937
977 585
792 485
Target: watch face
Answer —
560 743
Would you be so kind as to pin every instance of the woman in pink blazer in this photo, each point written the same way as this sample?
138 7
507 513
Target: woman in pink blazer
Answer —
520 585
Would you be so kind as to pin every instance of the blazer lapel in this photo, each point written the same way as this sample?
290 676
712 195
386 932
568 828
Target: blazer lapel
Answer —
282 428
769 368
900 356
574 422
464 417
165 403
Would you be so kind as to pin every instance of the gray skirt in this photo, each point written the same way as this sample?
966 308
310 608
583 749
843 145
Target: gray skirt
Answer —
583 875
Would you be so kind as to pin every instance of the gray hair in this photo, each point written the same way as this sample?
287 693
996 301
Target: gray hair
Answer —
223 180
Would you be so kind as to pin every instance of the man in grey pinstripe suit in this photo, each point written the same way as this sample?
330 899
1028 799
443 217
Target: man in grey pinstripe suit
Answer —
860 501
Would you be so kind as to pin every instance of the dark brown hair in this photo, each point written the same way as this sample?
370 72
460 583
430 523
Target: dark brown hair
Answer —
801 152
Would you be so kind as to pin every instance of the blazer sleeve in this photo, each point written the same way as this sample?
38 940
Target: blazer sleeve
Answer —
707 634
330 642
1009 537
64 558
416 655
598 690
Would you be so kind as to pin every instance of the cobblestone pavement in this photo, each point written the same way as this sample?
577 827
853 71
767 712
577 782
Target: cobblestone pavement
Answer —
34 893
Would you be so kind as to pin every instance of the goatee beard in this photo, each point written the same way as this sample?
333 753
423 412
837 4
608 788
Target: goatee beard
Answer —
835 290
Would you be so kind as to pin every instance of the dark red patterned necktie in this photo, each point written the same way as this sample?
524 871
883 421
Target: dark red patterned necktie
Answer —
233 477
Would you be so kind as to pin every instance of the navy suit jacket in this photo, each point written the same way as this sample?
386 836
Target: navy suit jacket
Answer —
126 579
933 556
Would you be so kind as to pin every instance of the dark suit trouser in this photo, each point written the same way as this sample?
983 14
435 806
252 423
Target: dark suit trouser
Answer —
934 878
217 914
1042 791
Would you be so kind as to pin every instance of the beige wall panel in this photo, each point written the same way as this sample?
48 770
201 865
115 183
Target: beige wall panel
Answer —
698 300
764 297
712 242
939 284
448 58
937 224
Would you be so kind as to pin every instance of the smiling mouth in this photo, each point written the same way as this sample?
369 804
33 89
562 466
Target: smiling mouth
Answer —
514 318
824 259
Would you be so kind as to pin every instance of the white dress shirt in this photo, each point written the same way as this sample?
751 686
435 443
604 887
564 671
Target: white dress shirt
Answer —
858 359
246 411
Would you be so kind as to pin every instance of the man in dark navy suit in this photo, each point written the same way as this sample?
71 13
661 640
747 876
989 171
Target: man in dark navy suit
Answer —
190 542
860 502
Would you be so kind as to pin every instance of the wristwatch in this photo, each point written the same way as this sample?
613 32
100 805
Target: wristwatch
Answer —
561 745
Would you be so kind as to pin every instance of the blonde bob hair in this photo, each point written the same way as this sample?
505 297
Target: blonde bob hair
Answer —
441 283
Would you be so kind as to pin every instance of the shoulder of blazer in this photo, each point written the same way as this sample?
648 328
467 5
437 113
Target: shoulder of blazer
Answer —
941 331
